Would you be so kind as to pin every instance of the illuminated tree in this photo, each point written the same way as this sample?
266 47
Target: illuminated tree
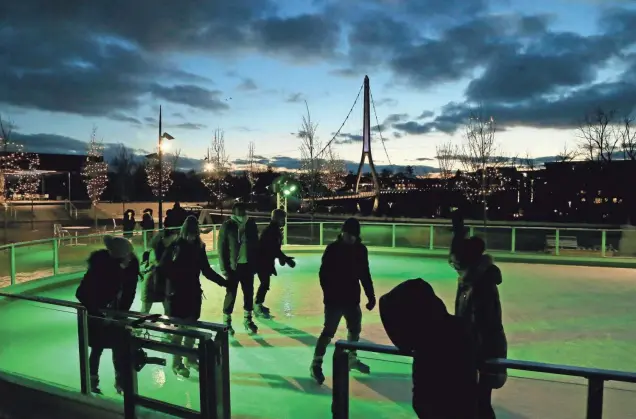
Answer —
252 169
28 181
11 154
95 172
153 170
217 166
335 171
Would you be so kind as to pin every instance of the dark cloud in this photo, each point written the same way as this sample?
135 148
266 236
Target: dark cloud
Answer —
345 72
345 138
386 102
424 159
295 98
150 120
191 95
178 115
124 118
426 115
190 125
247 85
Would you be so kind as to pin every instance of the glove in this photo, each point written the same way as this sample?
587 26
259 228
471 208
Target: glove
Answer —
371 304
290 261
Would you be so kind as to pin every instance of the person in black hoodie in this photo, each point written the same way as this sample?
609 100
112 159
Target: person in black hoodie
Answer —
154 281
147 222
269 245
128 223
182 263
345 264
478 303
109 283
444 367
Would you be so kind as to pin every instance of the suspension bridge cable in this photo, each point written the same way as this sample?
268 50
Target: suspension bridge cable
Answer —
343 124
379 130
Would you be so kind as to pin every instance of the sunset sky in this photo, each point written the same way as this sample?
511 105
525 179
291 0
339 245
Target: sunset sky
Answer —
247 66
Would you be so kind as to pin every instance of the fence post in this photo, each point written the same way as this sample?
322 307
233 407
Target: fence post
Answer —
144 233
340 403
594 398
513 240
56 256
393 235
322 234
603 242
12 263
471 231
214 239
82 338
129 375
431 237
223 374
207 375
556 242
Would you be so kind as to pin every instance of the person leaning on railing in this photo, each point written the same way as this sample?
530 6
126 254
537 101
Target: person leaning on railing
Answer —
444 367
109 283
478 303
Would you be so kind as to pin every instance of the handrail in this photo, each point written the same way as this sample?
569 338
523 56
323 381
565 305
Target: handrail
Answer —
596 377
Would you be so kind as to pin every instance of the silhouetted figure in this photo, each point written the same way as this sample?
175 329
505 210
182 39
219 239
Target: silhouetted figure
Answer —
179 214
147 221
154 282
478 303
345 264
109 283
129 223
169 223
269 245
238 258
182 264
444 366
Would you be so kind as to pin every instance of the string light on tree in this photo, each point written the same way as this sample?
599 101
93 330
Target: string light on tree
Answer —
95 171
28 178
153 172
11 154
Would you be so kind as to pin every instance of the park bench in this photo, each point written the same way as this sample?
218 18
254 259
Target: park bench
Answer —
565 242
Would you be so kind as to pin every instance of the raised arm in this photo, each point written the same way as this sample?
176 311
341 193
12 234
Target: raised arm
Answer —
207 270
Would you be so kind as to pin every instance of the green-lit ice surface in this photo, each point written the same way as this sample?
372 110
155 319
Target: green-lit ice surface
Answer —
570 315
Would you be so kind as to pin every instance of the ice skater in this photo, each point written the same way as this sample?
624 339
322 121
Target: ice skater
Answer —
182 264
270 244
154 281
345 265
109 283
478 302
238 258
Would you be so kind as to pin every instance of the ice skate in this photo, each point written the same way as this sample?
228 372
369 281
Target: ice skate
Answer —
179 369
260 311
95 384
227 321
249 325
316 373
357 365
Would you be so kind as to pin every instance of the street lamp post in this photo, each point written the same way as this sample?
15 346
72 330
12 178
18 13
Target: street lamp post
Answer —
162 137
284 186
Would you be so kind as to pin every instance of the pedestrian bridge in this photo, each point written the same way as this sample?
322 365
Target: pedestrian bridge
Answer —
561 306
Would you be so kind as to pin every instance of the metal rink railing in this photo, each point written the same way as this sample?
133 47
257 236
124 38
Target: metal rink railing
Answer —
212 354
596 378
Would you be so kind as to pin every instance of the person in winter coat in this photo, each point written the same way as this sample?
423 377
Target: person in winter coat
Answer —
147 222
109 283
444 366
345 265
238 258
478 303
154 280
129 223
182 263
269 245
179 214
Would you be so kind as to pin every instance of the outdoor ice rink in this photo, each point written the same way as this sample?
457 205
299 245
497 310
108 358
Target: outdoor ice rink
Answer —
570 315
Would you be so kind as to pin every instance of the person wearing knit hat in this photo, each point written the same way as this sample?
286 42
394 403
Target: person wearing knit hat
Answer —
182 264
477 301
238 260
345 265
109 283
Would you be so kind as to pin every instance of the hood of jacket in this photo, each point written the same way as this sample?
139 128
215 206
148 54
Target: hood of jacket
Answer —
412 304
484 270
100 259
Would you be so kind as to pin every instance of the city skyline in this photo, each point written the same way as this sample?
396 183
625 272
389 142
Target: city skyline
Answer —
248 67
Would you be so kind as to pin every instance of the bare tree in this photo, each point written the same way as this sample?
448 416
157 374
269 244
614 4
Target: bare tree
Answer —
312 165
252 169
627 135
446 155
480 152
566 155
217 166
528 162
598 137
124 165
335 170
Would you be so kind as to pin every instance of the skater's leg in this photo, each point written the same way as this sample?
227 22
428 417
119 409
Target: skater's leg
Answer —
188 342
93 366
353 317
231 290
332 320
246 278
146 306
263 287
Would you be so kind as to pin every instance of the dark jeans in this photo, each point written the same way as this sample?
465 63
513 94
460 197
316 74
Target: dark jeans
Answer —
244 276
333 315
484 403
264 280
96 355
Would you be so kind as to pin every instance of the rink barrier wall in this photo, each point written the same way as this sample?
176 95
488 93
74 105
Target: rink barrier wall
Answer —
62 257
212 354
596 378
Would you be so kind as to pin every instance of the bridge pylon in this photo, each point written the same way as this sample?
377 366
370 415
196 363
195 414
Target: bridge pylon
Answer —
366 148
